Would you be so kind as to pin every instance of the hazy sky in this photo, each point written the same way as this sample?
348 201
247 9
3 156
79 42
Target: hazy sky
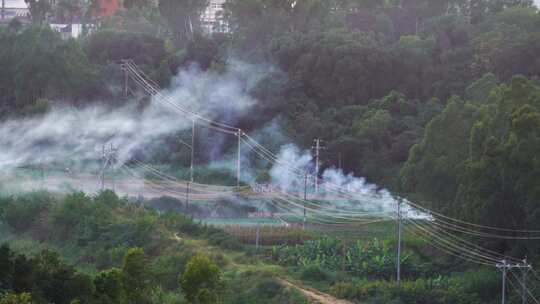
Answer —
537 2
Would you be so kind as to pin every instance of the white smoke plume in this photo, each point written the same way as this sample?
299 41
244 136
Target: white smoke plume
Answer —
281 175
360 195
213 94
220 96
64 135
77 135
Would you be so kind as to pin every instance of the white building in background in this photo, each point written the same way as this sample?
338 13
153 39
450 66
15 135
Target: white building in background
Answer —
10 9
212 19
68 31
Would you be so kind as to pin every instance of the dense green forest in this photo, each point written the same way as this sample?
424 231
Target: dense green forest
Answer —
438 100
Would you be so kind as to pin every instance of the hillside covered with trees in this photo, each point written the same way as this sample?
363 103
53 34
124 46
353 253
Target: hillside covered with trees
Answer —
437 100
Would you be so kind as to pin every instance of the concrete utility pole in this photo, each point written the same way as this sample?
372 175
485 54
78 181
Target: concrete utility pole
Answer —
192 150
258 235
112 161
190 26
524 279
258 230
106 157
317 148
239 135
504 266
398 261
103 164
187 195
305 200
41 168
2 14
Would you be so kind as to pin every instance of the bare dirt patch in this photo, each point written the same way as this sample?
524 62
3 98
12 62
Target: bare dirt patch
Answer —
313 295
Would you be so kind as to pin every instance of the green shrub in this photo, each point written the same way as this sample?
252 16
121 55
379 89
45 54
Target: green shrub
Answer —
268 288
136 276
167 268
109 198
259 287
109 286
313 273
344 290
161 296
83 219
12 298
112 257
202 281
219 259
141 232
181 223
438 290
220 238
483 282
21 212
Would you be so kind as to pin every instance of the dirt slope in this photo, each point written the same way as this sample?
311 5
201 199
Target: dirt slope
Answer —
314 296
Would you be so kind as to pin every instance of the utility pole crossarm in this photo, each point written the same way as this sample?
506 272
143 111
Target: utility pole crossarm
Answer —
317 148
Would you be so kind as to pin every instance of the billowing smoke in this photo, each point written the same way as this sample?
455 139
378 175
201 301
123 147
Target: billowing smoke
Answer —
73 135
76 135
65 135
344 191
280 173
214 94
222 97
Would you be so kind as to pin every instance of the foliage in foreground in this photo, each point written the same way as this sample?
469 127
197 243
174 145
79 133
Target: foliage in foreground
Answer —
123 253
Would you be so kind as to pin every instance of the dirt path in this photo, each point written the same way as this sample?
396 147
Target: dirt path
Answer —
314 296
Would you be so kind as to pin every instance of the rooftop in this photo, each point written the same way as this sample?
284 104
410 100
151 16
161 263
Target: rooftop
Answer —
15 4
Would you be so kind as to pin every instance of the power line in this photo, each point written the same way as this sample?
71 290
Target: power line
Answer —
152 88
451 245
525 292
317 149
466 243
448 250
